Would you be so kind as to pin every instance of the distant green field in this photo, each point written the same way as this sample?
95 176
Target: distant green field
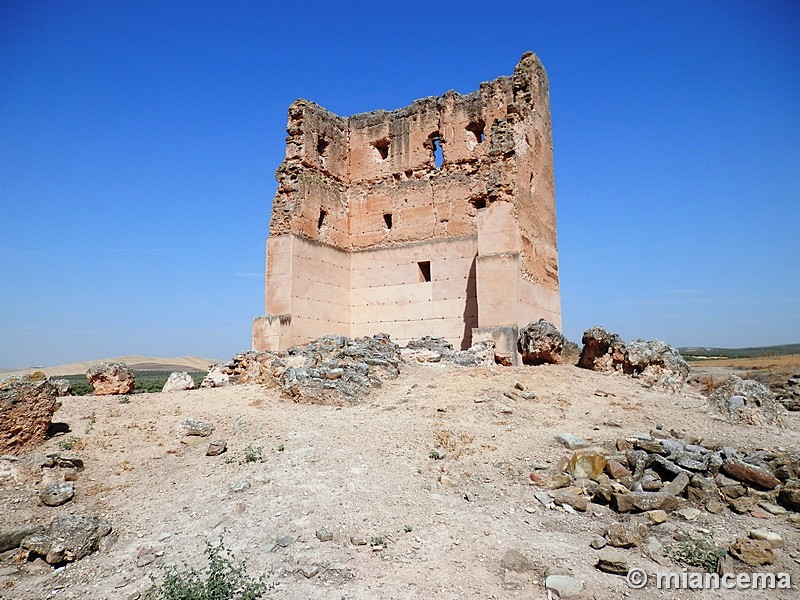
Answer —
145 381
706 353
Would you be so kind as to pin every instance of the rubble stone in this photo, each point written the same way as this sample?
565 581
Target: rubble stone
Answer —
540 343
26 411
111 378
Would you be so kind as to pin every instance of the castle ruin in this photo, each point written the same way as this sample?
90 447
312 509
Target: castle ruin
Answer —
434 219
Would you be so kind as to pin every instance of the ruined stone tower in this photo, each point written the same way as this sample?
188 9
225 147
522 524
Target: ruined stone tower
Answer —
434 219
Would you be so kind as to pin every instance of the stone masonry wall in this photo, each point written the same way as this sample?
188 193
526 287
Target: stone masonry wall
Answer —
368 233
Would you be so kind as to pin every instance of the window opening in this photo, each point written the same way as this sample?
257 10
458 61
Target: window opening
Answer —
321 220
479 202
322 146
382 146
477 127
424 271
438 154
387 218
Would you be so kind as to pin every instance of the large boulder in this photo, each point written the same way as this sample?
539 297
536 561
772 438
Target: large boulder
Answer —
540 343
602 350
26 411
657 364
178 382
747 401
69 538
110 378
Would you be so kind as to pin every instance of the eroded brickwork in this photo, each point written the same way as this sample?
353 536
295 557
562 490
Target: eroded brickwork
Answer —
437 218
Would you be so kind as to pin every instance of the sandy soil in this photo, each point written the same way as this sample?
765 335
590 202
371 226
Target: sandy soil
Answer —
366 471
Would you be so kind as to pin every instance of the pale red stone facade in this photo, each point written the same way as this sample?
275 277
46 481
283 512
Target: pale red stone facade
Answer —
371 232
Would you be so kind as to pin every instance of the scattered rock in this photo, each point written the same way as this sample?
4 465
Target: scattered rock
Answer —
586 465
479 354
110 378
57 494
775 540
514 560
556 481
657 516
178 381
566 497
616 470
752 552
216 447
284 541
512 581
68 538
192 426
602 350
790 498
26 411
540 343
598 542
564 585
324 535
239 486
573 442
217 376
612 561
750 474
11 538
62 386
625 535
688 513
645 501
358 540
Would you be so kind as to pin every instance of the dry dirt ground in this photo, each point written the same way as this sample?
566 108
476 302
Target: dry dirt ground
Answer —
366 471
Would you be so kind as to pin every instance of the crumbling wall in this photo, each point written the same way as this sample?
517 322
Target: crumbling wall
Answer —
434 219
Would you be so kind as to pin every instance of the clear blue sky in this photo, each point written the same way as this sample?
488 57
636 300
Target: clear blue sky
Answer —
139 141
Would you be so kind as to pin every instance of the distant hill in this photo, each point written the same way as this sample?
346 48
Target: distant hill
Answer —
703 353
137 363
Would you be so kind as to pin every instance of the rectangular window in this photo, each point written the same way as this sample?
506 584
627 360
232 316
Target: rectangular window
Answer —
424 271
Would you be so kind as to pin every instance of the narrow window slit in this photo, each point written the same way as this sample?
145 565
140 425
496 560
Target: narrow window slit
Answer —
322 146
322 214
424 271
387 218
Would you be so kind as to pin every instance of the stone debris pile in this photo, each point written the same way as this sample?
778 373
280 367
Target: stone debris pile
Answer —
434 349
330 370
747 401
788 394
654 363
662 471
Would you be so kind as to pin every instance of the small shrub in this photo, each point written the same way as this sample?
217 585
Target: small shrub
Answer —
408 528
124 400
378 540
252 454
281 448
697 552
708 384
69 443
222 579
